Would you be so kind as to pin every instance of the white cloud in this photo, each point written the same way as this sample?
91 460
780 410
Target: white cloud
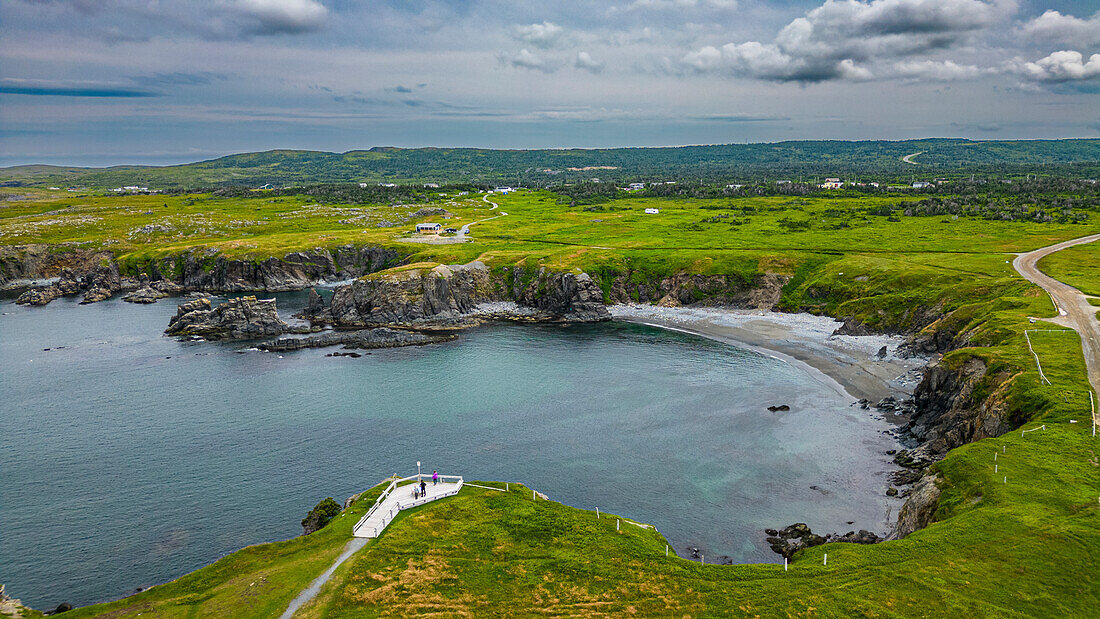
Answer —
525 59
942 71
840 38
1053 26
544 35
1062 66
283 16
586 62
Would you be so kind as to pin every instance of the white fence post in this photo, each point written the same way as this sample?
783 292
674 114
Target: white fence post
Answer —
825 560
597 513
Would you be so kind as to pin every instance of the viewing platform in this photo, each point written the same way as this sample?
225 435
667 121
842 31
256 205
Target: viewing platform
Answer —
399 495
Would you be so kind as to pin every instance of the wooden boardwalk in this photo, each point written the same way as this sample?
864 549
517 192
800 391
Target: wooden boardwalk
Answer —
398 496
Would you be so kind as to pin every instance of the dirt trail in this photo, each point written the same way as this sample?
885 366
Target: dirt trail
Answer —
1074 310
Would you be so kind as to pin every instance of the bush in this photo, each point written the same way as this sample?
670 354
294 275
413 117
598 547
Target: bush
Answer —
320 515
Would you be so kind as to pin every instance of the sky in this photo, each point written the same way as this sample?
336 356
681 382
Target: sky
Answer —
105 82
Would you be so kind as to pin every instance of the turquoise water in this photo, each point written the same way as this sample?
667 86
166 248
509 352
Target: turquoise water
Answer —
128 458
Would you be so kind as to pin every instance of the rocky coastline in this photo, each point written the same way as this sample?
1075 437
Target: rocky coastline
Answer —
420 304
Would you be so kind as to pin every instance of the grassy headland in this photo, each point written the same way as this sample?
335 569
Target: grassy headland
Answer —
1018 548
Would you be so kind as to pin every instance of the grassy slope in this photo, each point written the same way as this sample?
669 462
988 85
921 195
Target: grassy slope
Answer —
999 549
1077 266
257 581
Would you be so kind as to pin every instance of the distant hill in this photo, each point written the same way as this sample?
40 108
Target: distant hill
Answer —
731 162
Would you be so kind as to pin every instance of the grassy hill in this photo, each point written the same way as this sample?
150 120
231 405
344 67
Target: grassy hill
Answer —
728 162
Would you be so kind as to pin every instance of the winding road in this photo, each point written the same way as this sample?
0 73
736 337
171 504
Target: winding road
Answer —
1074 310
909 158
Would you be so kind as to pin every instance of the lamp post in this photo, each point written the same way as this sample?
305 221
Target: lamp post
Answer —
418 471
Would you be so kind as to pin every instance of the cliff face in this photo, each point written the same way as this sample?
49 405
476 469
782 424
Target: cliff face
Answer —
950 413
449 295
99 276
19 262
293 271
761 292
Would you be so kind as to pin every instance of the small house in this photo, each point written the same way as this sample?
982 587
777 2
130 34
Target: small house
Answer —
636 187
651 211
832 183
428 228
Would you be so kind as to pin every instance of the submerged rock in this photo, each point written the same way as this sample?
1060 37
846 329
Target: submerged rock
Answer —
381 337
782 408
145 295
236 319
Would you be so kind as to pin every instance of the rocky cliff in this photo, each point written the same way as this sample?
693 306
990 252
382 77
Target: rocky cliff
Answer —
955 404
448 296
99 276
763 291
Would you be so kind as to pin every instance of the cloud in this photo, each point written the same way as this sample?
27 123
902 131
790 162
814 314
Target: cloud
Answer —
545 35
72 89
180 78
940 71
525 59
1062 66
1055 27
673 5
283 16
586 62
840 38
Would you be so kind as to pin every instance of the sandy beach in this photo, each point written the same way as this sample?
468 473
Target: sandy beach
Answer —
850 362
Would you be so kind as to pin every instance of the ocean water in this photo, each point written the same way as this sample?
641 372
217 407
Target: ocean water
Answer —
128 458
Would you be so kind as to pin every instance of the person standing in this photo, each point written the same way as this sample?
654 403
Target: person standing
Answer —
435 477
423 489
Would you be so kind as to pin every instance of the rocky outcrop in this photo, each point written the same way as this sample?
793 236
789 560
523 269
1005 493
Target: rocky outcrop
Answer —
28 262
39 296
448 296
237 319
789 540
948 413
564 296
919 509
761 292
381 337
97 274
103 282
148 294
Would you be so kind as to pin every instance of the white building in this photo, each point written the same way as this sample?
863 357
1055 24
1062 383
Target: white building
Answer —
428 228
832 183
922 185
651 211
431 185
636 187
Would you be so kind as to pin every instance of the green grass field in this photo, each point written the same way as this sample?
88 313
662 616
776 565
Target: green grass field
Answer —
1078 266
1022 548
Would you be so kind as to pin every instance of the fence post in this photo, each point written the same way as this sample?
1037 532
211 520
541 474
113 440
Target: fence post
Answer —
506 486
597 513
666 551
825 560
784 564
616 525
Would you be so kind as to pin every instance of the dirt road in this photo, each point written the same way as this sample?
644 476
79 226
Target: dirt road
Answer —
1074 310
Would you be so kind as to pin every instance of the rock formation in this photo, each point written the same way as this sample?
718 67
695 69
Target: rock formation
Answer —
236 319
